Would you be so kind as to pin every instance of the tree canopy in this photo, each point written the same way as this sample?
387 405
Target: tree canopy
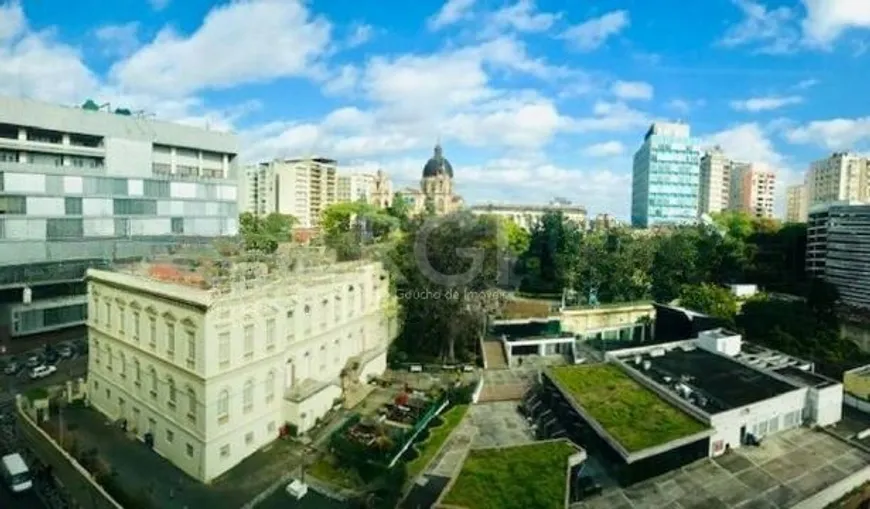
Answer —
710 299
265 233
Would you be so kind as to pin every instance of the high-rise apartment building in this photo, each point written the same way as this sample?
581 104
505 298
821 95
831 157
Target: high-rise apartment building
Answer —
715 185
796 204
666 177
841 177
208 371
81 186
838 249
752 189
302 188
354 187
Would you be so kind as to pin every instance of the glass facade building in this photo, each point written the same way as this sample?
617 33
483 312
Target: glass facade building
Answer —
82 188
666 177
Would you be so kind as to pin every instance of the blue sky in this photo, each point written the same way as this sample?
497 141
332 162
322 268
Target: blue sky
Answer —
531 100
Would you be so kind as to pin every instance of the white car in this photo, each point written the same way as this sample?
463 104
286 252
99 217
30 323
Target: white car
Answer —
42 372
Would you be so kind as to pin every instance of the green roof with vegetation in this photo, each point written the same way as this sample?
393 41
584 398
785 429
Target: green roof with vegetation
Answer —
522 477
632 414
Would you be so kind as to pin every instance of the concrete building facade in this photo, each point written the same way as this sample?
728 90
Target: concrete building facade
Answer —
382 190
82 186
527 216
838 249
302 188
715 186
206 377
355 187
666 177
753 189
797 201
843 176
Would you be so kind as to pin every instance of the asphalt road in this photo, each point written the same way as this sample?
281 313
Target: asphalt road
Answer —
66 370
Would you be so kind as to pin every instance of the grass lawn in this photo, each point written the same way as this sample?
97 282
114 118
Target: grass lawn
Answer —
327 471
634 415
437 436
524 477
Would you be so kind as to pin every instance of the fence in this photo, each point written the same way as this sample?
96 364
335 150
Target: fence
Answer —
77 481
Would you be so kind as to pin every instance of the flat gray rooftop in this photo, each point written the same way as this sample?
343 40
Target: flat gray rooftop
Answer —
788 467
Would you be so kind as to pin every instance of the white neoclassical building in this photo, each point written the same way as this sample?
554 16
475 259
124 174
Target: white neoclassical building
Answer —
207 373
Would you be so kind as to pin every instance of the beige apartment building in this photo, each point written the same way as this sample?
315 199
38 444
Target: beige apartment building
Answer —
796 210
715 188
843 176
527 216
302 188
207 365
752 188
354 187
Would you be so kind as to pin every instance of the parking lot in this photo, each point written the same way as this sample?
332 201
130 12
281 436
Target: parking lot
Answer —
786 469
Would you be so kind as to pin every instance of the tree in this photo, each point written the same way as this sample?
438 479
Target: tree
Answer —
551 261
711 300
265 233
516 237
348 226
675 264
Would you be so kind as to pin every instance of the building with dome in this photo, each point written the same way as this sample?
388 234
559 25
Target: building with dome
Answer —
437 185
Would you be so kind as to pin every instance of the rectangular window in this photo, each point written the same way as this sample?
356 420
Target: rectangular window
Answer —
170 436
270 334
191 349
72 206
249 341
177 224
56 229
224 349
13 205
271 427
122 319
108 315
249 438
225 451
134 207
189 451
152 332
170 339
156 189
135 325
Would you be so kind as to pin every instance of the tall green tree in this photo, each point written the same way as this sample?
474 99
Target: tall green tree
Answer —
348 226
710 299
550 264
265 233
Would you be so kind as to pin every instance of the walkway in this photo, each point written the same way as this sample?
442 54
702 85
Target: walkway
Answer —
493 353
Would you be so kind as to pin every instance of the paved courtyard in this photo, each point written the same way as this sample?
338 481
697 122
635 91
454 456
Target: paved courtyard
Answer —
788 468
164 485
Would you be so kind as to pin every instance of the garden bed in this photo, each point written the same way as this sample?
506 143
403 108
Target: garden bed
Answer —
427 449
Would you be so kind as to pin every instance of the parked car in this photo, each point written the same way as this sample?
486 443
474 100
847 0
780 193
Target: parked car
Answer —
11 368
51 356
33 361
65 351
42 372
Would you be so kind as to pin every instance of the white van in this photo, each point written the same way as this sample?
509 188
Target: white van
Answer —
16 474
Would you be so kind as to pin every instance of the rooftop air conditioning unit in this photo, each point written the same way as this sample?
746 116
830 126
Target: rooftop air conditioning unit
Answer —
297 489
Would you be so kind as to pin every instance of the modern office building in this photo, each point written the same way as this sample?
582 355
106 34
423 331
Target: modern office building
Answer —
752 189
354 187
796 207
838 249
80 187
843 176
715 185
666 177
527 216
302 188
207 366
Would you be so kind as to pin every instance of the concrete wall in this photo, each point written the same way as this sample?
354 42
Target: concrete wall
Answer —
829 405
304 414
727 425
579 321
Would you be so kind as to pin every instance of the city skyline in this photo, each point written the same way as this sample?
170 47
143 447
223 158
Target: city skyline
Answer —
534 98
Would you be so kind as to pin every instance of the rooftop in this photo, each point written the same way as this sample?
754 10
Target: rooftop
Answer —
489 477
632 414
714 383
804 377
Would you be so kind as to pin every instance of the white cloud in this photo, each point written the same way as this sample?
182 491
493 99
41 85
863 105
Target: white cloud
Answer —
12 21
242 37
771 31
453 11
118 40
522 16
746 142
343 80
593 33
827 19
610 117
833 134
606 149
756 104
159 5
360 34
807 84
685 106
632 90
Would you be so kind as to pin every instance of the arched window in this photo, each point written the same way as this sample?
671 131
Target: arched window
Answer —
223 406
153 374
173 396
248 396
270 386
